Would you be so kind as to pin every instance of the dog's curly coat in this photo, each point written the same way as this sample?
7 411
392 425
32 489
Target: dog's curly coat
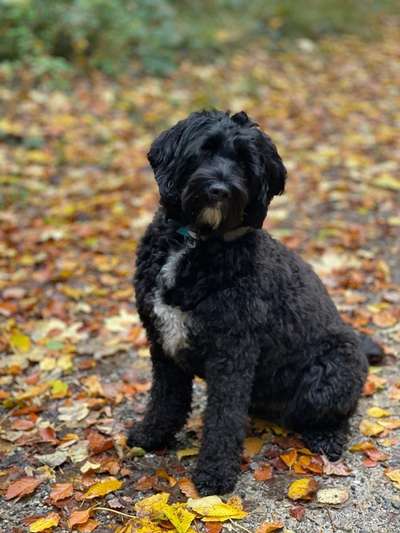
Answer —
221 299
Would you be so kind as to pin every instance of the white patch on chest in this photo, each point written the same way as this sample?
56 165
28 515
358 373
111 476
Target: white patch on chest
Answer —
171 322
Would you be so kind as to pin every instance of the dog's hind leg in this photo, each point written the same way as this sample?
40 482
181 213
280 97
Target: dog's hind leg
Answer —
325 398
169 405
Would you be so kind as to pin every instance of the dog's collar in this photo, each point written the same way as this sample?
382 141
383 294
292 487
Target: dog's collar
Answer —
191 237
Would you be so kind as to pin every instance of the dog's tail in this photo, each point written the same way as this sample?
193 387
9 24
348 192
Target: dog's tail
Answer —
372 349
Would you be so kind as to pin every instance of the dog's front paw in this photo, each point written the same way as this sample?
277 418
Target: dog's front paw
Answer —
142 437
214 481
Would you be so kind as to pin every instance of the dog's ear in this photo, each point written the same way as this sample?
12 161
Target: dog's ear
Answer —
271 174
274 170
162 158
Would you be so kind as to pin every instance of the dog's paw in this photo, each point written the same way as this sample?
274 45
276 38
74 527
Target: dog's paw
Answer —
140 437
330 443
214 482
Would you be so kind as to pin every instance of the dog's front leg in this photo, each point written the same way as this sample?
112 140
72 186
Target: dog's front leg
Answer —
229 383
169 405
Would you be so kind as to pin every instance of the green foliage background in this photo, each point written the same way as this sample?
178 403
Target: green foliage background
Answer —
155 35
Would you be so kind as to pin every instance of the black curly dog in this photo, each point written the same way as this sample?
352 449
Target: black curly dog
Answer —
221 299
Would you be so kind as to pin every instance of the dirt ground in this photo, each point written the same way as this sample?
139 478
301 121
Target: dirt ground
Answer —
76 194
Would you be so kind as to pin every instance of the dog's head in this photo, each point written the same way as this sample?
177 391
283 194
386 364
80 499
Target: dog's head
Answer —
217 172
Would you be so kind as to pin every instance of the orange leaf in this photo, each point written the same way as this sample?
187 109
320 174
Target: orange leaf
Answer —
289 458
188 488
269 527
213 527
60 491
90 526
78 517
21 488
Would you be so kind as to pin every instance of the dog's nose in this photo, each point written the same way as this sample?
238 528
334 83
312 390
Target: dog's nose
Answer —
218 191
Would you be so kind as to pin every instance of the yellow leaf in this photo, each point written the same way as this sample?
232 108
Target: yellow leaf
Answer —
213 509
51 520
387 181
362 446
153 506
302 489
252 446
394 475
179 517
59 389
377 412
370 428
187 452
20 342
102 488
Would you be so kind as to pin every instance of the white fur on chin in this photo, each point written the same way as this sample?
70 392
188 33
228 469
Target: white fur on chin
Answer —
211 216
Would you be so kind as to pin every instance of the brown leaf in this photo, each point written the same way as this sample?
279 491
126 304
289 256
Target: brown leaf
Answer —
98 443
339 468
263 472
252 446
60 491
297 512
22 487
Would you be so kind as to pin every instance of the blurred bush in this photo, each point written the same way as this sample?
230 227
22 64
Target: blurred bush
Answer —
109 34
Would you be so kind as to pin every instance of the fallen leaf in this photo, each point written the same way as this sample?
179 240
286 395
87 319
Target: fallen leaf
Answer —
20 342
362 446
60 491
333 496
376 455
269 527
47 522
289 458
394 475
73 413
179 517
377 412
297 512
252 446
102 488
53 459
213 527
188 488
263 472
78 517
390 423
89 526
213 509
370 429
338 468
302 489
187 452
153 506
22 487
